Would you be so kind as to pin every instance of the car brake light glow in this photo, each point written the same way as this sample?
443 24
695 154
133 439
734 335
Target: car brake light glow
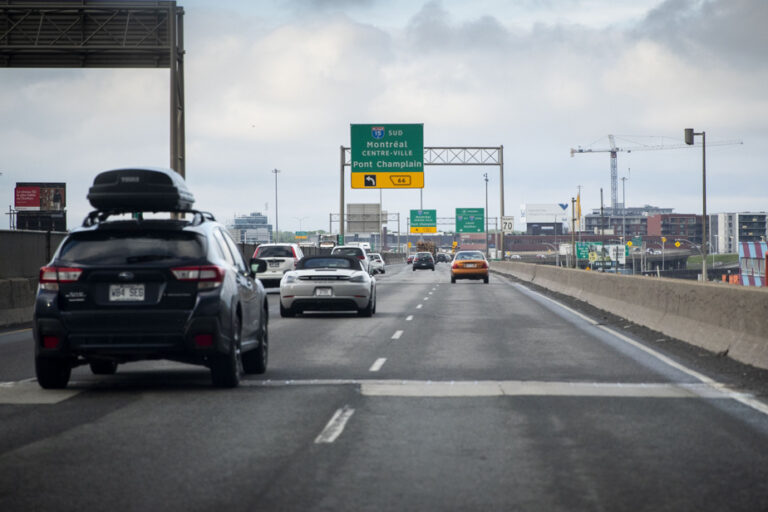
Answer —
204 340
207 277
50 277
50 341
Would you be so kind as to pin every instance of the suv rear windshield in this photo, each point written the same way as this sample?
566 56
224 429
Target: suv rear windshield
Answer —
348 251
274 251
111 248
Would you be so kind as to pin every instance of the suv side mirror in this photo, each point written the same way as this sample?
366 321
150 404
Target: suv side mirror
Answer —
258 265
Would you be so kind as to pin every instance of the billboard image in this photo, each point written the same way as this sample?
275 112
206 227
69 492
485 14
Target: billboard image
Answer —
40 197
544 213
41 206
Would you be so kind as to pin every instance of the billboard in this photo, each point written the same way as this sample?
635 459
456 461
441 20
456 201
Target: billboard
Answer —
545 213
41 206
40 197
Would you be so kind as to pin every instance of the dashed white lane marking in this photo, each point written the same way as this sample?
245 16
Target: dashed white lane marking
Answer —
419 306
409 318
28 391
421 388
376 366
426 298
335 427
397 335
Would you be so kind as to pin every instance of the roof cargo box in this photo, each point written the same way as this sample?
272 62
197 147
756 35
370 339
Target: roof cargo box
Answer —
140 189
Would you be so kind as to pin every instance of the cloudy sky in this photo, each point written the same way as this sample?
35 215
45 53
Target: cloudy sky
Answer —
276 84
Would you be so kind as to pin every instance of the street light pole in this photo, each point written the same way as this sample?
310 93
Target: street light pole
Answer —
487 255
689 134
277 225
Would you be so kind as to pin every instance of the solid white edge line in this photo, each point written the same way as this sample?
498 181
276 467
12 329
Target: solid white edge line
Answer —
739 397
376 366
335 426
397 335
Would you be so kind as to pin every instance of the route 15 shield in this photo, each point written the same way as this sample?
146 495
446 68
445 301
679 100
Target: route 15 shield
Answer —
377 132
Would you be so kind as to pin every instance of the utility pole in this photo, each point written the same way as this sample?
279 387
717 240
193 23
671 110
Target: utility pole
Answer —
573 233
277 226
486 215
623 209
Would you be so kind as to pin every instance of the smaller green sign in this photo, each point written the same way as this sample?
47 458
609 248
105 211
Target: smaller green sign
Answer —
302 235
470 220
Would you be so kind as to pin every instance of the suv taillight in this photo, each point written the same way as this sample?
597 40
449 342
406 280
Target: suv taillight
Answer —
50 277
207 277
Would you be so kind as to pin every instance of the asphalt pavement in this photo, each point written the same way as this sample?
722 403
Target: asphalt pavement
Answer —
465 396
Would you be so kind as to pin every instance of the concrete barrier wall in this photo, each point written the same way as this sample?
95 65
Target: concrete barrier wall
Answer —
22 253
719 318
17 298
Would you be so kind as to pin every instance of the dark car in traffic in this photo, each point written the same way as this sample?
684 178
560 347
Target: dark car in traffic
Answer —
123 288
423 260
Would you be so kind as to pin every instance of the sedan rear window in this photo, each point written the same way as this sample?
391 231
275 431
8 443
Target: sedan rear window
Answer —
106 248
470 256
274 251
326 263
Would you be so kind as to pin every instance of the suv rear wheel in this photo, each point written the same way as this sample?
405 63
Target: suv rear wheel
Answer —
256 360
226 368
52 373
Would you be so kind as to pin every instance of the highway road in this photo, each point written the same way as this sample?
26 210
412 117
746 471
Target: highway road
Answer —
465 397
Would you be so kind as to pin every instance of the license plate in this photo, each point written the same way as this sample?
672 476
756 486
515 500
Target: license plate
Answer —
323 292
126 292
470 265
274 263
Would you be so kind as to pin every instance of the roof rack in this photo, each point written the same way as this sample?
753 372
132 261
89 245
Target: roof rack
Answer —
99 216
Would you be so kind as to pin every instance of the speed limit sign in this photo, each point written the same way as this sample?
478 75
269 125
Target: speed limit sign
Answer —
507 225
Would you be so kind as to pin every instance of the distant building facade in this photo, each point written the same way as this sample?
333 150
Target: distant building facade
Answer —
728 230
629 222
251 229
676 226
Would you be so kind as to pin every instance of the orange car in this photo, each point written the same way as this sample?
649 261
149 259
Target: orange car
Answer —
469 265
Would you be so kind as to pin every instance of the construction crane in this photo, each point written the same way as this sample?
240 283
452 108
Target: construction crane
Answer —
614 149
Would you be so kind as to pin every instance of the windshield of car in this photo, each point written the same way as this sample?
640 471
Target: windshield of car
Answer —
348 251
274 251
328 262
470 256
105 248
424 256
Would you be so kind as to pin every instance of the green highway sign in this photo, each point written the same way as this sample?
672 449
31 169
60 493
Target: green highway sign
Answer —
423 221
470 220
387 155
302 235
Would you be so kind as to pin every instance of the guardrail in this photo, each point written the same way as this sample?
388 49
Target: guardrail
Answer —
722 319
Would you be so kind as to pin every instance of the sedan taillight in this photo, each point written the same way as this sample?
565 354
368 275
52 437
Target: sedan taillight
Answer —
207 277
50 277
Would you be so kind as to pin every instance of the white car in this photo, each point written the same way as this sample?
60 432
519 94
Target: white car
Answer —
377 263
356 251
328 283
280 259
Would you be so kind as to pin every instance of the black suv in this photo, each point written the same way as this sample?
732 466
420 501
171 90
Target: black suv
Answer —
423 260
123 288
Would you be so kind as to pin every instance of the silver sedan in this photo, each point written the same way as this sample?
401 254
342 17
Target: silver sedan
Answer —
328 283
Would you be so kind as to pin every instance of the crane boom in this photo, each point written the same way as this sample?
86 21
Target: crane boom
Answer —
613 150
